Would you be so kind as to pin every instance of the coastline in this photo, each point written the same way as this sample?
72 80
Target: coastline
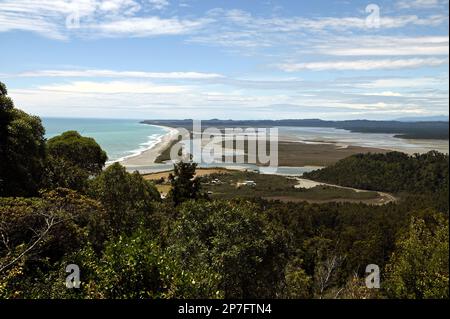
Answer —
148 156
293 152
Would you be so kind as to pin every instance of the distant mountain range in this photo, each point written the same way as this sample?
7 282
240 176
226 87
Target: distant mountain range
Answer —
436 118
401 129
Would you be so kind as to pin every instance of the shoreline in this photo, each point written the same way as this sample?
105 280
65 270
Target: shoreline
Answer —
148 156
292 151
137 152
316 154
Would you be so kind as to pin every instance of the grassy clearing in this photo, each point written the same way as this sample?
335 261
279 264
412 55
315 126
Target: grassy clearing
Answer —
273 187
278 187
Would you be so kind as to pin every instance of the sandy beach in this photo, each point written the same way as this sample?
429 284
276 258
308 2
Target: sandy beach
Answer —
149 156
291 151
293 154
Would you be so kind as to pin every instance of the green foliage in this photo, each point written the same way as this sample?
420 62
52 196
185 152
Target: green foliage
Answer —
136 267
71 160
6 105
38 232
184 185
342 238
62 173
298 283
355 288
3 90
391 172
83 152
129 268
22 153
419 266
58 216
126 197
22 149
244 255
216 249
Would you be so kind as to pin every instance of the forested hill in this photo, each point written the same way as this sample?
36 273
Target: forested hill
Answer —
419 130
390 172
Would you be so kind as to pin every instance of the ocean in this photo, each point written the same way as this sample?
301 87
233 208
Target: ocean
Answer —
119 138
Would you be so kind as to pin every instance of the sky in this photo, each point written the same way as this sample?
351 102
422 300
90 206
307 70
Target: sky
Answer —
226 59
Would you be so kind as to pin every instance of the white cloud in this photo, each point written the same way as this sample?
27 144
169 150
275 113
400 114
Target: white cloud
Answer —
114 87
117 6
414 82
419 4
35 16
384 46
144 99
297 23
363 65
11 21
159 4
413 20
144 27
240 29
119 74
236 28
62 19
384 93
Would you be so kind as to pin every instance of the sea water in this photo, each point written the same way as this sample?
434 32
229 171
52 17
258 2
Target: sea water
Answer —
119 138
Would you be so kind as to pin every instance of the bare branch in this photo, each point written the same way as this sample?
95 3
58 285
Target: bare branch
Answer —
50 222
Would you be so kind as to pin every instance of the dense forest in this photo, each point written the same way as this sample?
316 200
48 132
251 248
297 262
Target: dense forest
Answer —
422 174
59 206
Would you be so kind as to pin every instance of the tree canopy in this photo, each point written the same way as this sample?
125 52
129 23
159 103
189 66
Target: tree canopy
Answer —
3 90
419 266
184 184
22 150
390 172
71 160
78 150
125 196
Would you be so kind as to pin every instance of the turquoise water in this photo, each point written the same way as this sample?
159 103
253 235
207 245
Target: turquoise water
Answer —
119 138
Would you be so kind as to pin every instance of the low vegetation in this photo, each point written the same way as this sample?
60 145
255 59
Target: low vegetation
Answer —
230 185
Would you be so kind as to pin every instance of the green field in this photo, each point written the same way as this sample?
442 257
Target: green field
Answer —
278 188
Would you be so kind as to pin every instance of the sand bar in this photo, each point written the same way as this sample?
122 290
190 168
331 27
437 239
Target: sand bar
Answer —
149 156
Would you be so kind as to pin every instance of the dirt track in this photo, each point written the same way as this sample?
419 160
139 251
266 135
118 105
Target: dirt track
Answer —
384 199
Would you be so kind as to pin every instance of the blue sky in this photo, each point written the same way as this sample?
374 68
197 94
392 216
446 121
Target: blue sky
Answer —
246 59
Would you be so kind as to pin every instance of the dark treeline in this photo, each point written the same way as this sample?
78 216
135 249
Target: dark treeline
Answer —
419 130
425 174
130 243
